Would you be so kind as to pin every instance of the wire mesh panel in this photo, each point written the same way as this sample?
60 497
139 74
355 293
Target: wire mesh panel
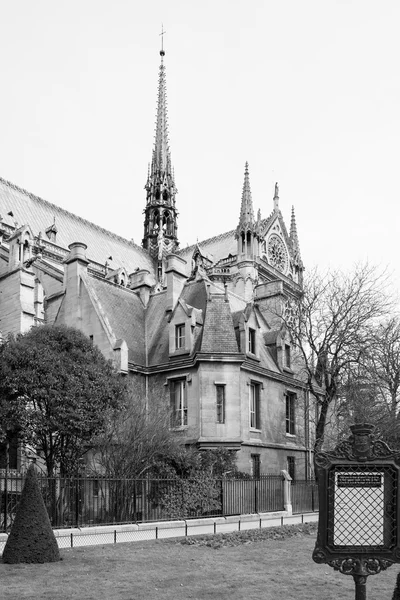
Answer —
361 510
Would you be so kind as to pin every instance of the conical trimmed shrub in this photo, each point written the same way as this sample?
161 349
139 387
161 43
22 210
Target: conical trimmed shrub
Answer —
31 538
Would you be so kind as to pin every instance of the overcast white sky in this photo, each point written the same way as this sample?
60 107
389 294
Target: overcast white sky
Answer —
308 92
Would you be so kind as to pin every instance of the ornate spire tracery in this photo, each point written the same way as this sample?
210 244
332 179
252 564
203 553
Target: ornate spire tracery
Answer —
160 227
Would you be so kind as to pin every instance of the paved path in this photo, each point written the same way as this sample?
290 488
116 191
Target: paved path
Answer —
93 536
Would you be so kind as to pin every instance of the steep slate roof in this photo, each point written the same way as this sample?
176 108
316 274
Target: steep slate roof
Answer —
215 248
157 329
218 332
194 293
39 214
266 357
125 313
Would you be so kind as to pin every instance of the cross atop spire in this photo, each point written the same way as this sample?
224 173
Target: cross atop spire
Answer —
162 52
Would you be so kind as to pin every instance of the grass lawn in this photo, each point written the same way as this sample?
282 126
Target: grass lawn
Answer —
232 567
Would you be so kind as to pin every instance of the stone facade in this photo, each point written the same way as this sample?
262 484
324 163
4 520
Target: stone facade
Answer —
198 329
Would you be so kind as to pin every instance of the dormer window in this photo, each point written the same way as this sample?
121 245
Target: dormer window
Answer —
179 336
251 341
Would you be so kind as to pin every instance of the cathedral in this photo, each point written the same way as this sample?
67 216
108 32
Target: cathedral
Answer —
197 328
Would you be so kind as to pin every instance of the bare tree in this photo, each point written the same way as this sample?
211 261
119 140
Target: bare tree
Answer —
384 365
135 439
331 325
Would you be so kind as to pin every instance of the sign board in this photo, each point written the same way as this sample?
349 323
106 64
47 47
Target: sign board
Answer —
358 506
358 518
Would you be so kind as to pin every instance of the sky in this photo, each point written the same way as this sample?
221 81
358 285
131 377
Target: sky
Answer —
307 92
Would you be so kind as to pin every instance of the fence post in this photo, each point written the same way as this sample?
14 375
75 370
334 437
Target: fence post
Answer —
6 486
76 502
287 502
5 500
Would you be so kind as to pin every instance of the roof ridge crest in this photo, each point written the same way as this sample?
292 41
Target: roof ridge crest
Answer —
67 212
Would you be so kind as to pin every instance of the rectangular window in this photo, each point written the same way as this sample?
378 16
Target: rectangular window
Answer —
179 336
252 340
9 452
256 466
178 399
287 357
255 421
290 413
220 392
291 467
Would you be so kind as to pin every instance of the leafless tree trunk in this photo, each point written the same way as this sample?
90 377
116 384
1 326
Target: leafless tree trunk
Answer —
332 327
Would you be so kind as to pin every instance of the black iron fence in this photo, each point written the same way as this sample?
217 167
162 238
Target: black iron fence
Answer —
85 501
304 496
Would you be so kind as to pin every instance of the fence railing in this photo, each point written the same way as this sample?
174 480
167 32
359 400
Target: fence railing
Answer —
85 501
304 496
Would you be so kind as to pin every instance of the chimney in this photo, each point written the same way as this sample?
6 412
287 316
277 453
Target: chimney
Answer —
176 276
75 266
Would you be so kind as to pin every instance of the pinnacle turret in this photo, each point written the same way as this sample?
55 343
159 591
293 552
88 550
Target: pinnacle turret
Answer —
246 219
247 232
293 231
294 239
276 197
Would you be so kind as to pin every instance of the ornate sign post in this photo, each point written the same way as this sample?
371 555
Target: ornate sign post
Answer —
358 507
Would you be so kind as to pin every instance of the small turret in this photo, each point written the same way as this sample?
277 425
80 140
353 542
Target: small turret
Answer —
247 230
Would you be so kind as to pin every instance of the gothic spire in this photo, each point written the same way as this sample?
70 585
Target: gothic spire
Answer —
246 219
161 160
160 226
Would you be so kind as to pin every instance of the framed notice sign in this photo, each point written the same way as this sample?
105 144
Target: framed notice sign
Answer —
359 508
359 515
